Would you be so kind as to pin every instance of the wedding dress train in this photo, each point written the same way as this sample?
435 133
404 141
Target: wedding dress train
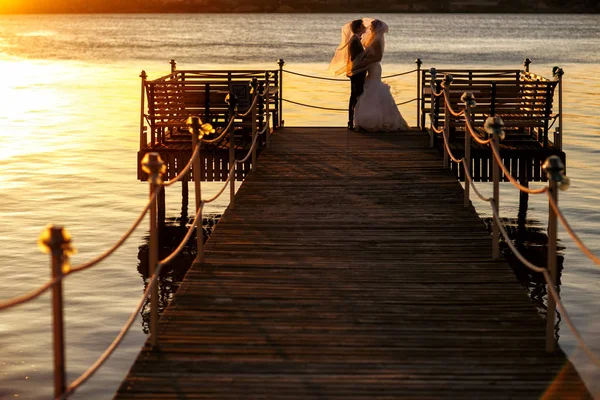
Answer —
376 109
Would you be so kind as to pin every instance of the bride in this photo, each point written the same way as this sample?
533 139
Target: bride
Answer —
375 110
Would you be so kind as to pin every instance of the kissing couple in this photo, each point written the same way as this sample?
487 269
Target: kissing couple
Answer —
372 107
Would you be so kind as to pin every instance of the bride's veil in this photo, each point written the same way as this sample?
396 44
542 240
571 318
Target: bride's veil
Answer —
341 58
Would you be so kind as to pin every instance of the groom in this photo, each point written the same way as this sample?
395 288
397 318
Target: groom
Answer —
357 81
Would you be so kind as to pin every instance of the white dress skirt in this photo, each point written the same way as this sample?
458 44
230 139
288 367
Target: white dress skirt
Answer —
376 109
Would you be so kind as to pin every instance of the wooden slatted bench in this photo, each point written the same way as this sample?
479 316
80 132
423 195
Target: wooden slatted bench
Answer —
523 100
173 98
168 101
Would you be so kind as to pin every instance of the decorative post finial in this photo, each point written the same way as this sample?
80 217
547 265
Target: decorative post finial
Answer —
254 85
281 63
198 128
494 126
143 74
557 72
173 66
526 63
154 166
447 80
418 62
468 99
232 100
555 171
55 239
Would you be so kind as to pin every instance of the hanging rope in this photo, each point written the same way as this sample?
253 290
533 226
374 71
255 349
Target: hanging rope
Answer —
341 79
337 109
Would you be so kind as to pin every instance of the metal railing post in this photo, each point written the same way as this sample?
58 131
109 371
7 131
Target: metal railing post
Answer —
432 116
57 240
267 102
446 86
554 169
494 127
232 166
280 114
419 63
194 124
143 137
253 115
154 166
496 195
469 101
558 75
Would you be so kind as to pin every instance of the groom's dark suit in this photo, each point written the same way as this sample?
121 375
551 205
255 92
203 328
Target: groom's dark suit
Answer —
357 81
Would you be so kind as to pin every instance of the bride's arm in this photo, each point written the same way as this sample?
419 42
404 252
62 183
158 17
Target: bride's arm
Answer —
371 55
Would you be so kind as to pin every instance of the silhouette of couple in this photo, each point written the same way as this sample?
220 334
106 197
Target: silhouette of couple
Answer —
372 107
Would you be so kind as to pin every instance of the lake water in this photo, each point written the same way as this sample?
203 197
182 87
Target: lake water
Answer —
69 136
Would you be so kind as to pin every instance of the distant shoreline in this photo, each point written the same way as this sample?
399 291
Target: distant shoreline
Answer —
251 9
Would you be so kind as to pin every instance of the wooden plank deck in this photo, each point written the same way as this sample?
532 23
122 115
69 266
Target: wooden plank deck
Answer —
349 269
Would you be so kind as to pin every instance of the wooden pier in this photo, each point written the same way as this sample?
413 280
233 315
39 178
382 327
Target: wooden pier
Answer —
350 269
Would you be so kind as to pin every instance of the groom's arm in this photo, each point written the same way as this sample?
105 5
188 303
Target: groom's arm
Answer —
369 56
356 48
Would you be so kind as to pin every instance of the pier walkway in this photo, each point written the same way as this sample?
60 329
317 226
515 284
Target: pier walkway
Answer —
349 269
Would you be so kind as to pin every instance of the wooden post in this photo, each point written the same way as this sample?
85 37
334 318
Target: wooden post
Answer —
162 208
185 195
554 169
447 82
496 196
267 101
254 85
232 164
524 167
143 137
432 110
153 260
153 165
423 74
558 74
281 121
56 243
552 227
194 127
419 63
261 106
467 159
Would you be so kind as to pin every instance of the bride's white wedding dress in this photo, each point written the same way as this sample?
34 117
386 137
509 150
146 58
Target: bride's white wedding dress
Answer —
376 109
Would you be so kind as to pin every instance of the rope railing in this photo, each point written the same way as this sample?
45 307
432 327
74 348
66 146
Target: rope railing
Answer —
416 99
584 249
116 342
337 109
15 301
555 171
342 79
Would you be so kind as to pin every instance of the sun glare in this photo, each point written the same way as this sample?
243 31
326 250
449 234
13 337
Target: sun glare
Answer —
28 109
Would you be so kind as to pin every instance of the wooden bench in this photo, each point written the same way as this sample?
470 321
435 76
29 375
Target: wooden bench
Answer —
173 98
523 100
